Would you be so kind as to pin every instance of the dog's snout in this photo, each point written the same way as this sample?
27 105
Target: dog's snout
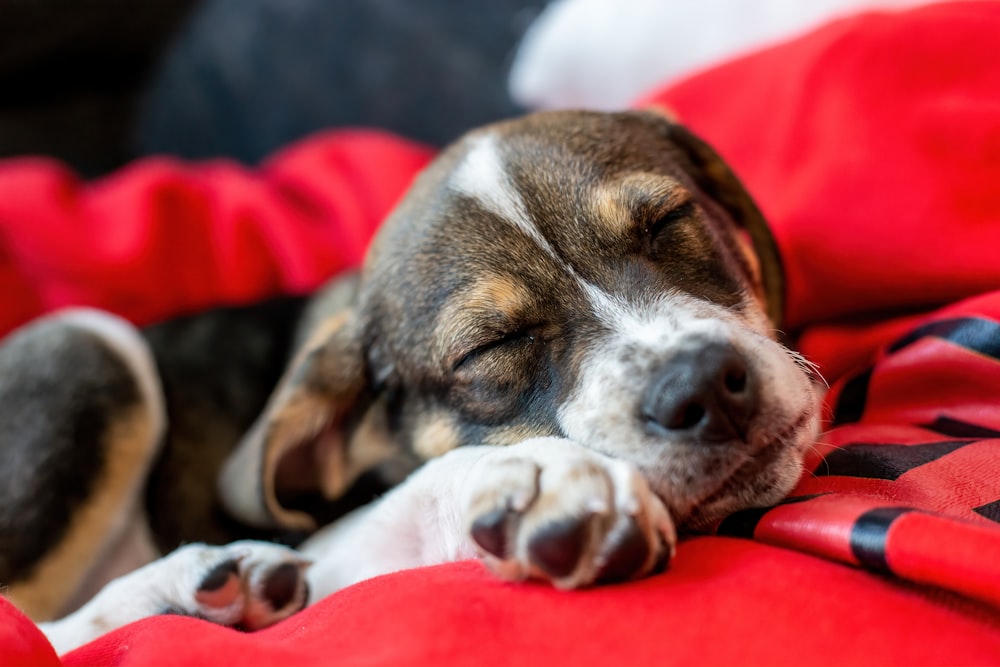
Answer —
704 393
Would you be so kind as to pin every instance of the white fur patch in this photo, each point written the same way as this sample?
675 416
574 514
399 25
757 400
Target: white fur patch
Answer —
656 323
482 176
614 374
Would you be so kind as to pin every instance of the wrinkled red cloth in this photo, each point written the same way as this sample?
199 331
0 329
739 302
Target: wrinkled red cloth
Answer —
873 147
724 602
161 237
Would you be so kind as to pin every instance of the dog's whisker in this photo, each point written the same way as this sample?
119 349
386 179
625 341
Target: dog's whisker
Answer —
811 368
813 447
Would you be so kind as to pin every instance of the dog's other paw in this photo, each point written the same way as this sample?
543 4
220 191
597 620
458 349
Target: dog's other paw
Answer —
246 584
548 508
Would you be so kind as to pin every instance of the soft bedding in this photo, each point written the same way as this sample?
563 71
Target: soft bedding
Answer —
873 148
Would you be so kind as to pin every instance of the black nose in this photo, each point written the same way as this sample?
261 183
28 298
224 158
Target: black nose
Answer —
704 393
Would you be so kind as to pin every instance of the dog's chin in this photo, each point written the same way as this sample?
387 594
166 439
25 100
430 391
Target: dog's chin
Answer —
758 480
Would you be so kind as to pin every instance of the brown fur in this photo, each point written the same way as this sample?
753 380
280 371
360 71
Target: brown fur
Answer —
444 283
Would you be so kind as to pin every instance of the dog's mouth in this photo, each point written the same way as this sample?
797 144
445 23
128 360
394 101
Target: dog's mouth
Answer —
764 478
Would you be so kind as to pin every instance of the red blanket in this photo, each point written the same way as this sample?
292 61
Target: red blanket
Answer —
873 146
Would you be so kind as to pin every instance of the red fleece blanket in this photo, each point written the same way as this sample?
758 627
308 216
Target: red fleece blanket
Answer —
873 147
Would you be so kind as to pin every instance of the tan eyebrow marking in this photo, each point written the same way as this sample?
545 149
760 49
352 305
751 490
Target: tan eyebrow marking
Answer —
639 196
477 311
435 434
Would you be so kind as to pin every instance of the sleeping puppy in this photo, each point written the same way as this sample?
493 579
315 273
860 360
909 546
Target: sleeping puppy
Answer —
561 347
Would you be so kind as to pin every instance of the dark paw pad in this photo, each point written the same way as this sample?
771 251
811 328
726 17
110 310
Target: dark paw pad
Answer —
220 587
219 575
557 547
281 585
628 553
490 532
662 562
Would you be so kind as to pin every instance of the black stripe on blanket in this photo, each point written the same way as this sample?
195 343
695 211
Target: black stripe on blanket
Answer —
976 334
883 461
870 533
973 333
744 523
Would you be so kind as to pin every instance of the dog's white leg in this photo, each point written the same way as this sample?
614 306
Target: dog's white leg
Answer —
417 523
545 508
133 549
249 584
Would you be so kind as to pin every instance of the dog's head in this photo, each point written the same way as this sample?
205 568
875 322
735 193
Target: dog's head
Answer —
602 277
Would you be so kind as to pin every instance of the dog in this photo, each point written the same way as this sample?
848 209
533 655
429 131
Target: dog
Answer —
560 348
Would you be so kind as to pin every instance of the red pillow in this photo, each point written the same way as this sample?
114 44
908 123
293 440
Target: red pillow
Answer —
161 238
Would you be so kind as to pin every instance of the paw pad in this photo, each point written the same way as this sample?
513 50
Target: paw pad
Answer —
558 547
281 585
629 554
490 531
220 586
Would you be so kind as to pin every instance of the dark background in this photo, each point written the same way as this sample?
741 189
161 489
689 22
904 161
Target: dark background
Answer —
96 83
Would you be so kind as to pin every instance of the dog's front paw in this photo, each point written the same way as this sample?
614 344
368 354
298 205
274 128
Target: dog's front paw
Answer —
246 584
550 509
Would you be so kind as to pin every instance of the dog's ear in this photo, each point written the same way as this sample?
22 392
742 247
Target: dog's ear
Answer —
301 441
717 181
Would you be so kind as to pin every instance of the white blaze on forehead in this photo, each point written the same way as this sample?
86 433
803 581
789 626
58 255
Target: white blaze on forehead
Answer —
642 334
657 319
603 410
482 176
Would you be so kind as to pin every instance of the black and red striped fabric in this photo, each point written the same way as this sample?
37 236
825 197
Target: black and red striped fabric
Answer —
907 479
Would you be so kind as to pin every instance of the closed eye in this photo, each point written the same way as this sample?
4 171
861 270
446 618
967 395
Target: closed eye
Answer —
671 218
521 337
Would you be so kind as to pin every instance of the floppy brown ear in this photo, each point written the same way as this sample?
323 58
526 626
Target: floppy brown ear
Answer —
300 441
714 177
